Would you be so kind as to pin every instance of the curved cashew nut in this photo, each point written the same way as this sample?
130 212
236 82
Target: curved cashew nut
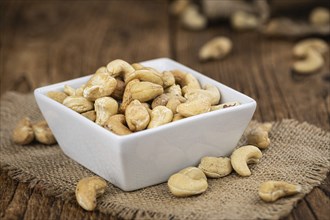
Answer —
57 96
105 107
87 190
210 90
217 48
127 96
23 132
243 156
259 137
42 133
145 75
137 66
301 49
313 61
119 90
320 16
173 104
160 115
271 191
241 20
168 79
119 68
192 19
214 167
160 100
185 80
99 85
91 115
189 181
197 103
116 124
137 116
145 91
224 105
102 69
78 103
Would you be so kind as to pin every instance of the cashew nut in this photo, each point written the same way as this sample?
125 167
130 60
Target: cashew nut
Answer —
209 90
192 19
313 61
189 181
117 124
259 136
301 48
224 105
217 48
178 6
119 68
197 103
173 104
91 115
160 115
145 91
137 66
186 80
87 190
145 75
69 90
99 85
119 90
177 117
127 96
102 69
241 20
23 132
243 156
214 167
160 100
78 103
168 79
320 16
137 116
104 108
271 191
42 133
57 96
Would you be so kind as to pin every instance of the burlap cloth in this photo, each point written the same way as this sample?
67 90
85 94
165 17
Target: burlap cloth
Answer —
299 153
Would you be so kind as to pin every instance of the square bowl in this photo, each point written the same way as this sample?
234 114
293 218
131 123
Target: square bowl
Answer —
150 156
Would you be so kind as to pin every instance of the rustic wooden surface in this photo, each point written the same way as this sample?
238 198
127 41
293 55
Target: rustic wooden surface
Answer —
44 42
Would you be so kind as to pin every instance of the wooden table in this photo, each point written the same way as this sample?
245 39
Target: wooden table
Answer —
44 42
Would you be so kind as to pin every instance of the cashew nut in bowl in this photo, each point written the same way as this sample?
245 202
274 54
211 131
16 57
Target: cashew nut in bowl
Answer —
189 181
210 90
160 115
99 85
168 79
185 80
119 90
313 61
78 103
243 156
42 133
57 96
127 96
145 75
177 117
137 66
145 91
69 90
105 107
197 103
119 68
217 48
224 105
23 132
117 124
271 191
91 115
214 167
137 116
87 191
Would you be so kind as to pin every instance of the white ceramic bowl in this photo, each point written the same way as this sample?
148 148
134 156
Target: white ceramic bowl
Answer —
147 157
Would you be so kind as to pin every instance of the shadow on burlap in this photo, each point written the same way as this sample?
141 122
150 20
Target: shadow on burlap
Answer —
299 153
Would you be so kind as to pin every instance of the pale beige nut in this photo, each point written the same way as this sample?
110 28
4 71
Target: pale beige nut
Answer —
243 156
177 117
80 91
217 48
23 132
137 116
147 106
160 115
215 167
137 66
312 62
173 104
87 191
119 90
119 68
117 124
266 126
91 115
224 105
186 80
209 90
145 75
160 100
192 19
57 96
127 96
105 107
99 85
69 90
320 16
259 137
168 79
301 48
78 103
241 20
197 103
145 91
178 6
42 133
188 182
271 191
102 69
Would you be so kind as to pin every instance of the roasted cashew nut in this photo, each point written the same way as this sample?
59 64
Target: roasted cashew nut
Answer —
119 68
259 136
224 105
78 103
160 115
99 85
243 156
91 115
214 167
271 191
127 96
197 103
57 96
105 107
87 190
137 116
145 75
217 48
241 20
189 181
313 62
23 132
117 124
42 133
185 80
145 91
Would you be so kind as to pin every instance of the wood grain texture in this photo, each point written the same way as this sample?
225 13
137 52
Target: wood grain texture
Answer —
44 42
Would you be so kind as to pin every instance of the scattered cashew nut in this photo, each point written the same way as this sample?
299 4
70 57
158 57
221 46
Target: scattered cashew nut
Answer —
23 132
189 181
192 19
241 20
259 136
271 191
42 133
87 191
217 48
243 156
214 167
320 16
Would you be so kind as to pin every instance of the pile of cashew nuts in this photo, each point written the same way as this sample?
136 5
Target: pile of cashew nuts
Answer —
125 98
193 180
